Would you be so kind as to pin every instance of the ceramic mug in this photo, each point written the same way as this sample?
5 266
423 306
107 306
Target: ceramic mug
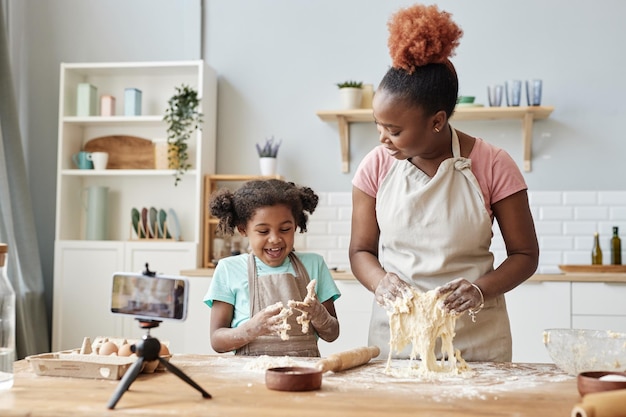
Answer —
82 160
100 160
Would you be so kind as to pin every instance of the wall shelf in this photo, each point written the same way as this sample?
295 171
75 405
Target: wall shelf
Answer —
526 114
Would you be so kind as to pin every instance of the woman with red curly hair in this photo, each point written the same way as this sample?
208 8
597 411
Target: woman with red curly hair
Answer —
424 201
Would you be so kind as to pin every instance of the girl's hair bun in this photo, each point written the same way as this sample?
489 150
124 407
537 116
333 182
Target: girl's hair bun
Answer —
421 35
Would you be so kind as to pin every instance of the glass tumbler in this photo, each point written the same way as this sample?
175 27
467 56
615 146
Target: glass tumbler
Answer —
533 92
513 92
494 95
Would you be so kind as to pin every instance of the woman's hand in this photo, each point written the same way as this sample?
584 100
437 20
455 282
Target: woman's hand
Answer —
462 296
391 287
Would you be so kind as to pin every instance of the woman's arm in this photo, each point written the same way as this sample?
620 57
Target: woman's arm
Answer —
364 236
518 230
226 339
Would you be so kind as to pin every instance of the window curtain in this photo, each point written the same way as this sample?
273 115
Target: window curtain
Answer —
17 227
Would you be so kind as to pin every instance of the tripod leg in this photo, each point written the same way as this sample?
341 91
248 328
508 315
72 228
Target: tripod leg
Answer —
124 384
184 377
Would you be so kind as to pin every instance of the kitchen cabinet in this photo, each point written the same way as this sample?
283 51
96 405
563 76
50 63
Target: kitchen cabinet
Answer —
599 305
83 274
526 114
354 309
83 268
533 307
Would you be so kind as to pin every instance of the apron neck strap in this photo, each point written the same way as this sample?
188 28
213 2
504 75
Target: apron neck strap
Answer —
456 147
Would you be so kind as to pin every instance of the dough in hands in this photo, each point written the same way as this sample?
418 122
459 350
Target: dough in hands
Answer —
420 320
284 314
304 319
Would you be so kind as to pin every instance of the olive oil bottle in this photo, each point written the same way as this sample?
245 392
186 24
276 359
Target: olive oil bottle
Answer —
616 248
596 252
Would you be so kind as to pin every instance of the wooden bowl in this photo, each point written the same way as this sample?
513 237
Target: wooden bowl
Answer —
589 382
293 378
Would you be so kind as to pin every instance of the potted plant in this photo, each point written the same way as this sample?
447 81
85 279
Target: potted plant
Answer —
183 118
350 94
267 156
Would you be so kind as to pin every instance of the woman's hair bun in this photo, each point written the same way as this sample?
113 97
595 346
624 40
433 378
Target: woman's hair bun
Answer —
421 35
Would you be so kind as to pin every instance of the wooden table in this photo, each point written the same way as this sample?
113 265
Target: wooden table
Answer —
238 388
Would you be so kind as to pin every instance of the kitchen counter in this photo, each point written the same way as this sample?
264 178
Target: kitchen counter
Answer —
569 277
238 388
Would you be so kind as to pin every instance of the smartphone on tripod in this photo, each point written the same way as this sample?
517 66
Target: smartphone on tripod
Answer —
150 297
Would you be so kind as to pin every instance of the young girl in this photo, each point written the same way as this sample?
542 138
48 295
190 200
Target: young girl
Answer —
250 293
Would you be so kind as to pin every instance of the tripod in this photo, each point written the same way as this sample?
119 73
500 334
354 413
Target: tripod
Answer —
148 350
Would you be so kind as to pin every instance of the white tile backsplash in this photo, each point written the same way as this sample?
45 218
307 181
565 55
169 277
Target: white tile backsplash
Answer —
565 222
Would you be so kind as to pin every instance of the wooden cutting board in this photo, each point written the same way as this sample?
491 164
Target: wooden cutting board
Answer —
125 152
593 268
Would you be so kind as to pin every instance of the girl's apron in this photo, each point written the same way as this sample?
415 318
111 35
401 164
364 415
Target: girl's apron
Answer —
434 230
270 289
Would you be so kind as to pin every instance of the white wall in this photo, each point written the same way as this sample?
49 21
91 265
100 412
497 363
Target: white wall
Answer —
278 62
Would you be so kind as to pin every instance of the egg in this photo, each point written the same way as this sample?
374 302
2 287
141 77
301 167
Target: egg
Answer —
108 348
164 351
125 350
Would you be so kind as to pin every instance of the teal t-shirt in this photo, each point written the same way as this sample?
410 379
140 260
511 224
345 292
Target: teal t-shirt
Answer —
230 281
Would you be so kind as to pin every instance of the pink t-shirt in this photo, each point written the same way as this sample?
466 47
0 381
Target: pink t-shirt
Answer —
495 170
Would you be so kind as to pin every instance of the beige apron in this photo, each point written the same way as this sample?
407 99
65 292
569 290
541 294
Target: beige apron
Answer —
434 230
270 289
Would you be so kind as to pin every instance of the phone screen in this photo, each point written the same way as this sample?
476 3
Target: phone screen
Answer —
151 297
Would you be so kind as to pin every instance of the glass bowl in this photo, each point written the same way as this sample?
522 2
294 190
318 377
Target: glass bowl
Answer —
583 350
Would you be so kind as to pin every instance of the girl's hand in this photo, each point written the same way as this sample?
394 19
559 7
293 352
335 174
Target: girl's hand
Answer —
391 287
311 308
462 296
323 321
271 320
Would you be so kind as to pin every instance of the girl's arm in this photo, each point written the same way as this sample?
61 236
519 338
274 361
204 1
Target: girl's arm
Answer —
226 339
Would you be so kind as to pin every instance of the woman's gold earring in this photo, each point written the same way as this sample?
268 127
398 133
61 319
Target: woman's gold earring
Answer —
437 129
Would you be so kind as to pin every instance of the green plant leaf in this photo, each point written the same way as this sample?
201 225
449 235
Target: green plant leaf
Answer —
183 119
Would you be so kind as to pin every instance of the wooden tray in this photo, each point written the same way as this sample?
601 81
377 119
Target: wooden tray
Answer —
592 268
125 152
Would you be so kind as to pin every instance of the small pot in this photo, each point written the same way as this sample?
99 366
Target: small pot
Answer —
589 382
293 378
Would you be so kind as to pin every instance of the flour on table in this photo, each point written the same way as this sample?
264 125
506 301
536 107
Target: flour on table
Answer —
264 362
420 320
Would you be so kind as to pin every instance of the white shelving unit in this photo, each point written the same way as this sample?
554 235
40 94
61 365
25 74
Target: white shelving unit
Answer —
83 268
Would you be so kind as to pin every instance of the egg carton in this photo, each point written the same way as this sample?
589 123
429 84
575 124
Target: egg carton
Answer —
86 362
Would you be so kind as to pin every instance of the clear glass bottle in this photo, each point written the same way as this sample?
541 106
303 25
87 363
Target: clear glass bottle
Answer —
596 252
7 323
616 247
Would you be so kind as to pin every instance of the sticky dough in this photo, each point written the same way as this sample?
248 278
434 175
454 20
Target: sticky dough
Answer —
420 320
303 319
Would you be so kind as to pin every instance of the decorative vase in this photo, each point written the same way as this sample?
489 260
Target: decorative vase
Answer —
350 97
268 166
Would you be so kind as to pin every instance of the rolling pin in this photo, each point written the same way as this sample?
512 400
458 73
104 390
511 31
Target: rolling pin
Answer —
348 359
602 404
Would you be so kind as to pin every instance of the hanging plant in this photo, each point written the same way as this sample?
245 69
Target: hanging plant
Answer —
183 119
